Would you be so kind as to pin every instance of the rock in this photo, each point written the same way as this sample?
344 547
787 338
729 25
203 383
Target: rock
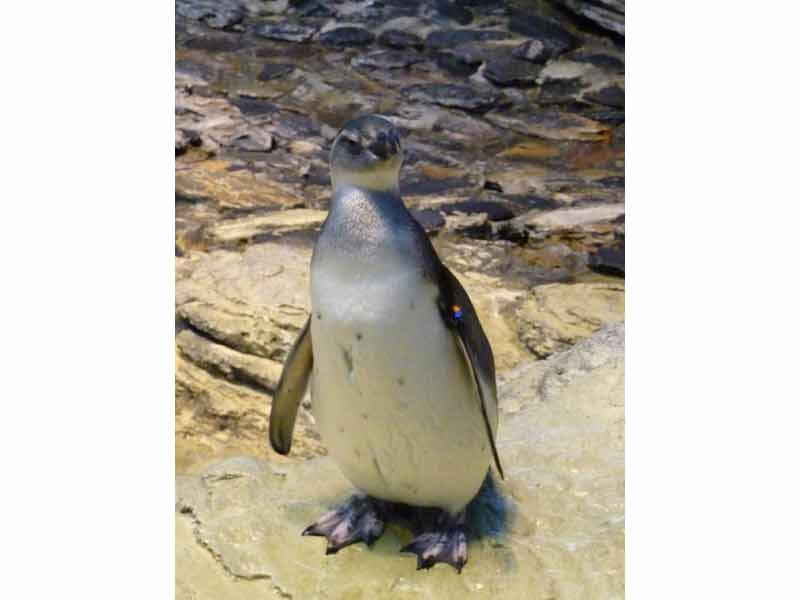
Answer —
567 218
450 38
612 95
312 8
603 61
430 219
451 95
453 65
253 302
532 50
286 31
494 211
341 37
609 260
555 38
560 91
212 180
239 314
185 138
552 125
219 14
386 59
608 14
511 72
475 53
557 315
452 11
275 223
274 71
231 364
555 527
400 40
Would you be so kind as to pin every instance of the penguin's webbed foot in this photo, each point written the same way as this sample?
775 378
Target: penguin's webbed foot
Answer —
447 544
360 519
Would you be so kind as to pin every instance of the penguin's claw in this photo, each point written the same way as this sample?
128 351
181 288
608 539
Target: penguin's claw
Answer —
360 519
446 546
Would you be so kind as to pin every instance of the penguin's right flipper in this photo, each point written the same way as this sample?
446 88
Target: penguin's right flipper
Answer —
290 391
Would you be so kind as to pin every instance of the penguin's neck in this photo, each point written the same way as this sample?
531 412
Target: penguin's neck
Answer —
365 227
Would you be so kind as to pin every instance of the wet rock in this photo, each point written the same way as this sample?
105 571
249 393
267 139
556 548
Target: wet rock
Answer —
286 31
557 315
312 8
560 91
342 37
559 514
609 260
219 14
603 61
400 40
450 38
608 14
453 65
274 71
454 12
553 125
555 38
511 72
612 95
275 223
451 95
532 50
386 59
475 53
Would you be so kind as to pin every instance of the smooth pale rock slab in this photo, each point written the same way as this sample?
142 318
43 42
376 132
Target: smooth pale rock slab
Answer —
254 302
553 529
278 222
558 315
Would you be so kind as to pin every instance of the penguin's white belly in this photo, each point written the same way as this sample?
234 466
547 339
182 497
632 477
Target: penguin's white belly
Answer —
391 392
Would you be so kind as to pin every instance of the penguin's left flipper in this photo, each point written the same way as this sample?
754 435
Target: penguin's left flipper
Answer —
290 391
460 317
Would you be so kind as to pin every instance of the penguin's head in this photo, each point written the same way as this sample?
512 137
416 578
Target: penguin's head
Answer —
367 153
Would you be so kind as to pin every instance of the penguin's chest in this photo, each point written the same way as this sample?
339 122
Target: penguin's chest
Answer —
391 392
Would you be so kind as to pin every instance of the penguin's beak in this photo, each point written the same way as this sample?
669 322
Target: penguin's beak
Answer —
385 146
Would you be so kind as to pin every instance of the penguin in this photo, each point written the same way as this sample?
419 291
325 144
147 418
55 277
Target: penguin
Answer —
402 375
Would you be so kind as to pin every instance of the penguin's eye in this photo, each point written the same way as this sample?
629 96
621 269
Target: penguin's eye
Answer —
352 146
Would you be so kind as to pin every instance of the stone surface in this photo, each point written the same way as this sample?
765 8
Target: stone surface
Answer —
556 39
400 40
608 14
450 38
347 36
219 14
386 59
275 223
557 315
451 95
532 50
553 125
554 528
511 71
286 31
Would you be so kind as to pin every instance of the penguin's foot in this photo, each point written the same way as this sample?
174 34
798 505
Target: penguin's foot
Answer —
446 544
360 519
